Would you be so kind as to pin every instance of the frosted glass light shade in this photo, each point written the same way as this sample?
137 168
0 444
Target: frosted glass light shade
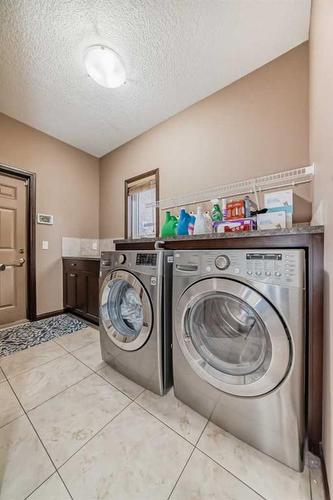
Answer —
104 66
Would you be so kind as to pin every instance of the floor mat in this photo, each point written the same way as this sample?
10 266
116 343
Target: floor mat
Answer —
17 338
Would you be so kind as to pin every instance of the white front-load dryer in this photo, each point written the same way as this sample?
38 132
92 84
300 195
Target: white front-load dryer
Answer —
238 344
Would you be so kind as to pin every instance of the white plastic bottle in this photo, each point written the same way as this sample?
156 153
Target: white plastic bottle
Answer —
208 220
200 225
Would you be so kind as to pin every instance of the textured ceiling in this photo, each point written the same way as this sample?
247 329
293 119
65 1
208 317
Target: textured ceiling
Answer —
176 52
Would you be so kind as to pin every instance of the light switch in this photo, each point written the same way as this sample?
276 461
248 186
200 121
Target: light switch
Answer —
45 245
94 245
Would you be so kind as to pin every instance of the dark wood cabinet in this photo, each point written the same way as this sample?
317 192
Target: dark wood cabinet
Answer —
81 289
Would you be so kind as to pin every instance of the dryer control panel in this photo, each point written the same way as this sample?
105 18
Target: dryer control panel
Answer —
277 267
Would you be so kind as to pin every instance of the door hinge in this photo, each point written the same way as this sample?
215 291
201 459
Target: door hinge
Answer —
26 183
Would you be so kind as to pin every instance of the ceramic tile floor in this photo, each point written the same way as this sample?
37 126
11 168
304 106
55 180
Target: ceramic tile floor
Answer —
73 428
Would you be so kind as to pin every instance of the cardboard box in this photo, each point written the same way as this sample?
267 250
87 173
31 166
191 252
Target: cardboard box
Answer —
279 201
272 220
235 210
234 225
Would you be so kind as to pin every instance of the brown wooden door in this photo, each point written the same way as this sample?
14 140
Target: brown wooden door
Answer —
13 236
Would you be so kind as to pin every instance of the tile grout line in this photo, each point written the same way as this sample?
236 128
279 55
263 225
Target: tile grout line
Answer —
25 413
310 485
92 437
12 420
51 397
167 425
232 474
77 348
132 400
60 392
209 457
135 400
185 465
39 438
115 387
107 380
150 413
37 366
55 473
54 341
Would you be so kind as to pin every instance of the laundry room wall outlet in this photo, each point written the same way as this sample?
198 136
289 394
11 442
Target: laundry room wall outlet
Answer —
45 245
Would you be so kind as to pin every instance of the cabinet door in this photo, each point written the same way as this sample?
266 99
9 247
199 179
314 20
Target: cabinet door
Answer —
93 294
70 289
82 292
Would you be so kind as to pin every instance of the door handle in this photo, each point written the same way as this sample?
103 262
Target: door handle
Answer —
14 264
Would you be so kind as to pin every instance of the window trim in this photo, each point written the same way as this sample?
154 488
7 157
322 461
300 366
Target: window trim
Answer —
140 177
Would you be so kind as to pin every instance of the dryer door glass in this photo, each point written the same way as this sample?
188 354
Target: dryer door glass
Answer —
126 311
230 335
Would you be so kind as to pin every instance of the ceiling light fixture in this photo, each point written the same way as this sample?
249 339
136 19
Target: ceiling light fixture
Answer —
104 66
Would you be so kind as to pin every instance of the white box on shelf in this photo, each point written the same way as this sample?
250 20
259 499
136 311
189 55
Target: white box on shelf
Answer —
272 220
279 201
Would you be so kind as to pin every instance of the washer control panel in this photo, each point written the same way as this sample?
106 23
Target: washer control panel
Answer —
278 267
146 259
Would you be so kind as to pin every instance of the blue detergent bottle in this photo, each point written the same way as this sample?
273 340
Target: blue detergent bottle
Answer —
184 220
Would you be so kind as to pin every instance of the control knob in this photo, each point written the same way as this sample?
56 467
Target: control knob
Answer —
122 258
222 262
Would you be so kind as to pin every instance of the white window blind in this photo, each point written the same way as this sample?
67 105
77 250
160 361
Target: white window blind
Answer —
141 219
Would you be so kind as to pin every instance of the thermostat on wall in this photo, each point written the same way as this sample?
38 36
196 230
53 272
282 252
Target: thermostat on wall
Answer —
44 219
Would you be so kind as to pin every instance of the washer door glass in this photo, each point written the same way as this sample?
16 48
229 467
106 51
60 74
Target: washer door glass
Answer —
232 337
125 310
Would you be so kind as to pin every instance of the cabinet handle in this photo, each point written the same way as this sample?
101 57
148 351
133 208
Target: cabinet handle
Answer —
72 275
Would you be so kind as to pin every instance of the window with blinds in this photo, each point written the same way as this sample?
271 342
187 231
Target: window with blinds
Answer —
141 221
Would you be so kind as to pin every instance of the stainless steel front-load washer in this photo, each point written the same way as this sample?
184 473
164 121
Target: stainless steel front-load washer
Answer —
238 344
135 316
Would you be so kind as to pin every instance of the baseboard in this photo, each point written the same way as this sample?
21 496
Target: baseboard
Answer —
49 314
89 318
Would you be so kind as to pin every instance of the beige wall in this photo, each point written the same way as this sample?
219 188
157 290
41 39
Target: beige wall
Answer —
255 126
67 187
321 152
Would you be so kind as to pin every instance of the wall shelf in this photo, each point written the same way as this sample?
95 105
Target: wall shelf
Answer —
279 180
